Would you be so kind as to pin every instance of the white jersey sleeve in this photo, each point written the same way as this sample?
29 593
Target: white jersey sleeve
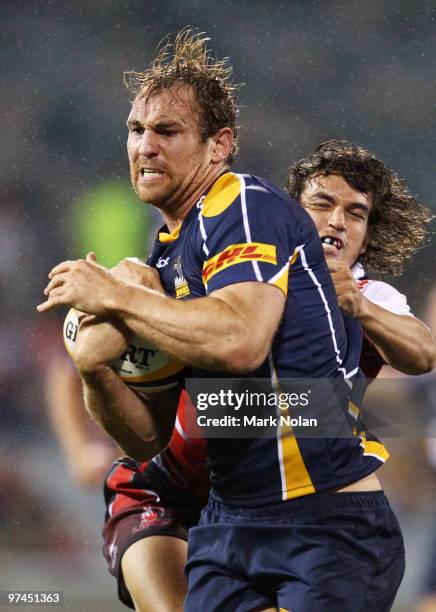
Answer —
386 296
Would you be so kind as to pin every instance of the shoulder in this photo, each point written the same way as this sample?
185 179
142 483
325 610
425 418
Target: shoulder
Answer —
243 194
385 295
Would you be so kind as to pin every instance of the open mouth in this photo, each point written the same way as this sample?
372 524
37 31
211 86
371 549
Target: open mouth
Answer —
150 172
333 241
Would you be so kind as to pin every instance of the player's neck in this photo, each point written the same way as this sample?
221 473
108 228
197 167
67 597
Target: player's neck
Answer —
173 218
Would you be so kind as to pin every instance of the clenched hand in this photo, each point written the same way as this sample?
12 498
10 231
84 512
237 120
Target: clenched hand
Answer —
350 298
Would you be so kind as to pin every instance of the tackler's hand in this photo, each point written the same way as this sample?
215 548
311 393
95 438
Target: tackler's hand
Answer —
350 298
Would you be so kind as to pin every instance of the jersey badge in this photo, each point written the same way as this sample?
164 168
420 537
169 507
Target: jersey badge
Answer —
180 282
362 283
151 517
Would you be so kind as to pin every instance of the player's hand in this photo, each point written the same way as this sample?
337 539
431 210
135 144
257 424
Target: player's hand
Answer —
83 284
135 272
99 341
350 298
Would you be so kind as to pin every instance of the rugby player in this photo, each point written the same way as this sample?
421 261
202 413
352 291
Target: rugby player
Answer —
255 546
351 177
366 217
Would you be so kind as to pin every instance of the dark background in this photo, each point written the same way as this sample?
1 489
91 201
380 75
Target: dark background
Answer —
313 70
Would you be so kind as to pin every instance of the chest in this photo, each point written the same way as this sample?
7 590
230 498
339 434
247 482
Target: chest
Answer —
180 266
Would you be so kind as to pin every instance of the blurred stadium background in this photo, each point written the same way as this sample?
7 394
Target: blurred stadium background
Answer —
312 70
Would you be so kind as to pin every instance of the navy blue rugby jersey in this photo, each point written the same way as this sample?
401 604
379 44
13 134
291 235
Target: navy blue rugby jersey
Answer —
245 229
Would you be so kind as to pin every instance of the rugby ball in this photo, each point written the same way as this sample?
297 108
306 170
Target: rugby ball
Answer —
143 367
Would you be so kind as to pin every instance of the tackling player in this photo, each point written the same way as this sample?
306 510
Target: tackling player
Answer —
365 216
246 553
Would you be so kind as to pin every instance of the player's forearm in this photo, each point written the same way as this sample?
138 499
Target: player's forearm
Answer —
403 341
65 406
128 419
202 332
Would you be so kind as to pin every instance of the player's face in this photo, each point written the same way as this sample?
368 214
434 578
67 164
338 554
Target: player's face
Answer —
168 160
340 213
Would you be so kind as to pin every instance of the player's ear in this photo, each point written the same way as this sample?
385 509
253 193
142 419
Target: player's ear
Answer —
222 145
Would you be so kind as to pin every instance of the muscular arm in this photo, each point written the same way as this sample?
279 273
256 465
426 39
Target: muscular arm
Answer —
230 330
142 426
404 342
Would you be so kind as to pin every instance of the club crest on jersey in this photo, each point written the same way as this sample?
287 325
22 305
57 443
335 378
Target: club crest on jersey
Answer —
152 516
180 282
362 283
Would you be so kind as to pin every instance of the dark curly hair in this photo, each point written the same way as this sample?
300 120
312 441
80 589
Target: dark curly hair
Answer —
398 223
189 62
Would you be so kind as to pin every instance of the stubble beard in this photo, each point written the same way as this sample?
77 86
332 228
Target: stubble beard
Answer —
160 201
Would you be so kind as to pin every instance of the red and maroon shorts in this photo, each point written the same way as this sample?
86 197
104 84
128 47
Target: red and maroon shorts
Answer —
143 501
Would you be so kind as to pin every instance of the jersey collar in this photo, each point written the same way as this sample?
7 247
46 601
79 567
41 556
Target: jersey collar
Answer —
166 237
358 271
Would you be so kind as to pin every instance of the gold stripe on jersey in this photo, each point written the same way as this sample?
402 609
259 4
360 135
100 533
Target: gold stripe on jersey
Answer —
353 410
373 448
223 193
294 474
281 279
166 237
294 256
238 253
297 479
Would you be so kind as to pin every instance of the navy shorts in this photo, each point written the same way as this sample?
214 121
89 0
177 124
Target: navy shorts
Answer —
140 504
328 552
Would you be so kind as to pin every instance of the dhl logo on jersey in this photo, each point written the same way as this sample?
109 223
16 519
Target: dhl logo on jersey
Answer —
238 253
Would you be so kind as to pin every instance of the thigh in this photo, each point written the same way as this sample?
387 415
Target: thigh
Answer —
153 570
147 520
388 574
355 567
360 588
214 582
